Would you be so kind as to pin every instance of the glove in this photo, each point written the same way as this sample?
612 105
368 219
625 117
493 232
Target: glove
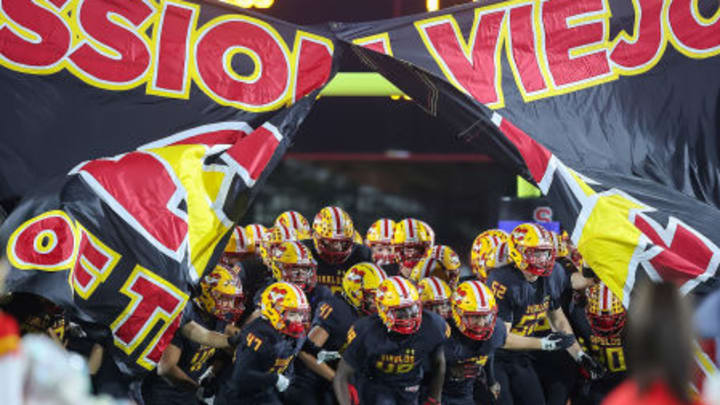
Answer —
282 383
234 340
591 368
557 341
495 390
207 384
324 356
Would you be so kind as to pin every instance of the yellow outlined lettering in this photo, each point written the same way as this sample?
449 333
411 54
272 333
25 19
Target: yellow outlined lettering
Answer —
383 39
712 24
53 241
98 274
301 36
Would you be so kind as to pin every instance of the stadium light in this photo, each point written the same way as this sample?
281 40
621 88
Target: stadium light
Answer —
433 5
250 3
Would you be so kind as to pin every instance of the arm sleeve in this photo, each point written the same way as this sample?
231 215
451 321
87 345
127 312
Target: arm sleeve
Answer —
490 369
354 349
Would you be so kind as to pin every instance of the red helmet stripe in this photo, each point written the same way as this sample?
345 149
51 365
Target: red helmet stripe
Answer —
338 219
240 238
411 228
293 216
386 226
401 286
605 292
480 293
439 292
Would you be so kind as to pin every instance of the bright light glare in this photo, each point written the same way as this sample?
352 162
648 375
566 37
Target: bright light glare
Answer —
251 3
433 5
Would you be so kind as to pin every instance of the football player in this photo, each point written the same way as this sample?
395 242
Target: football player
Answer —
379 238
489 251
603 336
412 243
389 353
333 246
526 291
266 348
474 339
295 221
183 362
333 318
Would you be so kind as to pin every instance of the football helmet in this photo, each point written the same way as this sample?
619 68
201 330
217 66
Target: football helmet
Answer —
435 296
286 307
255 234
560 245
296 221
531 249
359 285
429 231
450 261
237 248
273 238
411 241
379 238
333 233
221 294
293 263
474 310
398 305
604 311
429 267
489 250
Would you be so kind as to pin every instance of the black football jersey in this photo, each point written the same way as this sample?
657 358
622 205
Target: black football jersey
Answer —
521 303
604 349
563 279
255 277
331 275
390 359
461 352
194 360
336 316
262 353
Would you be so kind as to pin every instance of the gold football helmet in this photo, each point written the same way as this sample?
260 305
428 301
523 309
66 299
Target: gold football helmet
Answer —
412 242
255 234
531 249
293 263
604 310
435 296
333 234
489 250
221 294
359 285
398 305
237 249
286 307
379 238
474 310
296 221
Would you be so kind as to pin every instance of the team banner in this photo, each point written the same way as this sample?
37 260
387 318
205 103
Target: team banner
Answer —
191 108
609 109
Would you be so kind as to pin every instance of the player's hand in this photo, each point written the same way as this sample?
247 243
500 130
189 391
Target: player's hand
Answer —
282 383
557 341
324 356
234 340
495 390
594 370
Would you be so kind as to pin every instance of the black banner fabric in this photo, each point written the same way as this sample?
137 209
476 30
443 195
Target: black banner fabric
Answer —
611 110
610 107
121 240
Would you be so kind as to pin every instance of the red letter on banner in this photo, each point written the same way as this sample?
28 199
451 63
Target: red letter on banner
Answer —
254 152
144 194
171 76
472 67
524 54
51 36
560 40
694 35
45 242
314 62
152 300
93 263
637 54
266 87
128 59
